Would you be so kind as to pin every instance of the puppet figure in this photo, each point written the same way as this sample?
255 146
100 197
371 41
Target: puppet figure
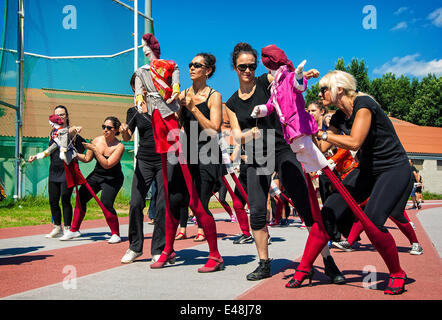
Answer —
160 82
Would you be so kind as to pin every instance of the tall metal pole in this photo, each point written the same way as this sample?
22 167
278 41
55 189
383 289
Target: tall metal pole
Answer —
136 134
19 100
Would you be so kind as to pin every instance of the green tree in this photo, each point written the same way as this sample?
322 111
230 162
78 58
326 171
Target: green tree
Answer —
427 107
358 70
311 94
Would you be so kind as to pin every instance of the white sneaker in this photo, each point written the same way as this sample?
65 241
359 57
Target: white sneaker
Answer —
155 257
56 232
68 235
416 249
343 245
114 239
130 256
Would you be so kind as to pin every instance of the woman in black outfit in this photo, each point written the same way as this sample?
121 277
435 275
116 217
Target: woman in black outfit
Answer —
275 155
106 177
383 174
200 111
147 170
57 187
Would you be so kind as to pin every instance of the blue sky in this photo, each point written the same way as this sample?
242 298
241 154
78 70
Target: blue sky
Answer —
406 38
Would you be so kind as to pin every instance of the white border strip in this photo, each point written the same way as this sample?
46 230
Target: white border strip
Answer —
71 57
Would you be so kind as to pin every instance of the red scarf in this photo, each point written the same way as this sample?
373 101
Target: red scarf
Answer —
161 72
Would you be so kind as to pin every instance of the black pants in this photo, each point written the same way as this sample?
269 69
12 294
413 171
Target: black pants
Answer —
145 173
205 178
109 187
222 193
242 177
292 179
56 191
388 192
326 188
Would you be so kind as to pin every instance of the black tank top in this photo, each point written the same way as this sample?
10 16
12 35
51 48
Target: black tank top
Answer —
114 172
187 118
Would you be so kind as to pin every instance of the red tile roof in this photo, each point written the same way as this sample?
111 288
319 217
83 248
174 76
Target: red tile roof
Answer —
418 139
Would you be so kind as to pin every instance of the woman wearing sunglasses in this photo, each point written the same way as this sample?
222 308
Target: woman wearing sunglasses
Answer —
201 108
254 91
383 173
106 177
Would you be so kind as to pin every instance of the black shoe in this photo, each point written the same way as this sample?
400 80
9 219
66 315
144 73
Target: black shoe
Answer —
243 239
262 272
332 271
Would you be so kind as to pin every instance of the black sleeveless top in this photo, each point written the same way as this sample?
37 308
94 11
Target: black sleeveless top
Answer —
114 172
194 132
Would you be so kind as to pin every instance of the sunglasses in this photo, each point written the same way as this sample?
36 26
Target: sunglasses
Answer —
196 65
323 89
107 127
244 67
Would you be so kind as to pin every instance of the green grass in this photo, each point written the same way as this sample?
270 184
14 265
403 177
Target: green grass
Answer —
431 196
34 210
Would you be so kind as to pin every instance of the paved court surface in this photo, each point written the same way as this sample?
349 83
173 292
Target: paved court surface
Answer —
88 268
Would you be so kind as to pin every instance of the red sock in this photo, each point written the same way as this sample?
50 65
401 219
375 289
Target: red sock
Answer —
407 230
316 241
317 237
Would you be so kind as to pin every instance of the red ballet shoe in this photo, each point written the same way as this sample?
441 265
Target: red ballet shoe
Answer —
164 259
398 281
296 283
212 265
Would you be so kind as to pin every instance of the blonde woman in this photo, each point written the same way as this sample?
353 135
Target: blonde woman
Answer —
383 174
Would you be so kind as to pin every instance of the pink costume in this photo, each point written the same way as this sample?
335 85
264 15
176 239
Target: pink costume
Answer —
313 160
297 125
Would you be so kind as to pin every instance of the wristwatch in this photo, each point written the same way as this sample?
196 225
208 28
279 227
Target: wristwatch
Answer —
324 136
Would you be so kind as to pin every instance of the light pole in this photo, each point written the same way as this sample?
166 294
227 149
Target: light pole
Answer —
19 100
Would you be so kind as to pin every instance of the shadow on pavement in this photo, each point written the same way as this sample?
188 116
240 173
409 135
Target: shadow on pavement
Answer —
17 251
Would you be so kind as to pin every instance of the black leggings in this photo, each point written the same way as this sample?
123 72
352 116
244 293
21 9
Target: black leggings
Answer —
292 179
108 186
204 177
242 177
56 191
388 192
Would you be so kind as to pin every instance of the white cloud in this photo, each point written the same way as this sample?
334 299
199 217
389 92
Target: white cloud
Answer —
436 17
401 10
409 65
399 26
